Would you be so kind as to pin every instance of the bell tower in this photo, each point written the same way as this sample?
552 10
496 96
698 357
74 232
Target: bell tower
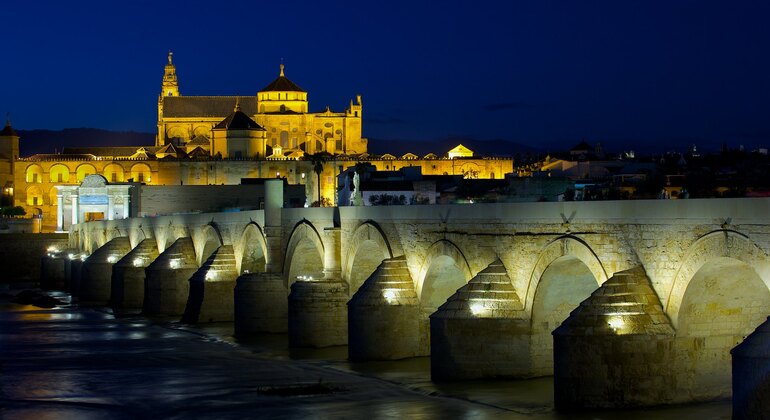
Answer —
170 85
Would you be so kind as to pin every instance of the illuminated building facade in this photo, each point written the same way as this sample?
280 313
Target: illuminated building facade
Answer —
280 110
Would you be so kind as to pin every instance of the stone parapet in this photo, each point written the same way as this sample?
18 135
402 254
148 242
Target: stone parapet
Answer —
128 275
384 316
318 313
616 349
166 283
261 303
481 331
96 275
211 297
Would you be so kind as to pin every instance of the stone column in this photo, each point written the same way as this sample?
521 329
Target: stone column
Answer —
126 205
384 321
317 313
75 208
166 284
273 214
751 375
96 276
110 207
212 287
332 255
128 275
616 349
59 211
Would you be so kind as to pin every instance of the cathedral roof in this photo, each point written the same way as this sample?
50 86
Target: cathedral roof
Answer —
207 106
282 84
238 121
198 141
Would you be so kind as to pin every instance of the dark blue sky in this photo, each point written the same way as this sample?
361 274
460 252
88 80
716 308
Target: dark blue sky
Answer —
542 73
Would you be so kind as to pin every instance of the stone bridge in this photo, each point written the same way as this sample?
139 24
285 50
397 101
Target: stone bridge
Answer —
624 302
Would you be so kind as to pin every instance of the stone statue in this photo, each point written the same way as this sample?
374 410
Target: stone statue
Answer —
355 197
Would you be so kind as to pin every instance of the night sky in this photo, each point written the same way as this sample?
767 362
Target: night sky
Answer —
652 74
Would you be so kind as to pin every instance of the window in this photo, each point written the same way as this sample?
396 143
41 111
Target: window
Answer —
141 177
285 139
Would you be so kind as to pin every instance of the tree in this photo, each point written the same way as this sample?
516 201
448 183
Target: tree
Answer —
318 160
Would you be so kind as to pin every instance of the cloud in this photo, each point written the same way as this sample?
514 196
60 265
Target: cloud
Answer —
385 120
502 106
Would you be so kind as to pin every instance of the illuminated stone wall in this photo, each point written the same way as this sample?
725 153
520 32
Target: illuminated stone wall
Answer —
705 259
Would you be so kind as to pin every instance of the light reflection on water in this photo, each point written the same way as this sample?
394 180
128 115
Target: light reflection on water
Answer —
522 398
115 366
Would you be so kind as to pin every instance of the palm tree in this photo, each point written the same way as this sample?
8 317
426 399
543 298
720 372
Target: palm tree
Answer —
318 160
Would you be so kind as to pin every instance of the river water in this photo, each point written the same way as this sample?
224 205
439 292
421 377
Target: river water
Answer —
85 363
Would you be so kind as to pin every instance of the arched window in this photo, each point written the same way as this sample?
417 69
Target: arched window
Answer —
59 173
85 170
141 173
113 173
284 139
34 174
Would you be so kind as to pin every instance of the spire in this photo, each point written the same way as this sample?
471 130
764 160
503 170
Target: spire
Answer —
282 75
170 85
8 130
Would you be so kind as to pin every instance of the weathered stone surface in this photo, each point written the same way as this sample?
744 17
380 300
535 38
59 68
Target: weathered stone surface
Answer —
212 295
318 313
72 274
261 303
128 275
481 331
616 349
751 375
672 239
384 316
166 283
96 274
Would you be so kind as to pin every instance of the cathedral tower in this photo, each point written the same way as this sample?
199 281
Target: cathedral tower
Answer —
170 85
9 152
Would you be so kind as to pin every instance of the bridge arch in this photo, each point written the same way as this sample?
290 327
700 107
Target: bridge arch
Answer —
720 244
366 249
444 270
720 295
563 246
304 253
209 240
251 250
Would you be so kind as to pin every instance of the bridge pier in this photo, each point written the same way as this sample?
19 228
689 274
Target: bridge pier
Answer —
128 275
212 289
318 313
751 375
616 349
52 270
261 303
384 316
481 331
166 284
73 267
96 275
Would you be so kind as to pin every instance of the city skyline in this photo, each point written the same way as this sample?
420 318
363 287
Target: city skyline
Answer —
545 75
